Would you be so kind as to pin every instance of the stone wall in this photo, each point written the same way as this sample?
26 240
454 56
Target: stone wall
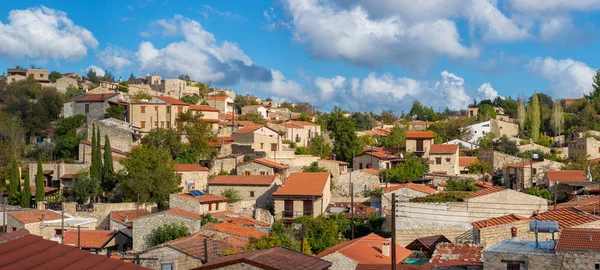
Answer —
319 206
254 168
200 179
490 236
102 211
143 227
225 164
261 194
360 181
402 195
340 262
497 261
188 204
533 147
505 202
168 255
333 167
97 110
578 260
63 83
120 137
500 128
447 163
295 162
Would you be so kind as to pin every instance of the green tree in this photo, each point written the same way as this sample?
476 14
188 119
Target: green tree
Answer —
84 189
320 232
150 174
168 139
67 145
396 138
26 193
54 75
542 193
232 194
108 179
184 77
202 90
199 134
534 114
413 168
505 145
421 112
72 92
521 114
388 117
116 112
318 147
108 77
39 181
96 162
478 167
280 235
558 117
193 99
461 185
366 140
92 76
314 167
14 192
168 232
452 129
301 150
362 121
486 112
131 76
343 133
254 117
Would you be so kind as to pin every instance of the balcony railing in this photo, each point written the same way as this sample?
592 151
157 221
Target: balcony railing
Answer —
293 214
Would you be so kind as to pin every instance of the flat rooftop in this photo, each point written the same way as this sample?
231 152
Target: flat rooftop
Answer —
518 246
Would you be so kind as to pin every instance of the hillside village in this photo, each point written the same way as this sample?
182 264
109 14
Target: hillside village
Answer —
170 173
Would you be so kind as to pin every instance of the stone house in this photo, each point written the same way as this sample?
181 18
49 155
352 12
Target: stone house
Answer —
472 112
303 194
202 204
226 92
588 147
377 160
256 109
254 190
491 231
371 250
443 159
497 127
528 174
193 177
565 184
209 114
123 136
463 164
143 226
419 142
58 175
261 166
45 223
93 105
65 82
258 138
264 259
418 125
177 88
185 253
222 103
404 192
300 132
122 220
269 104
98 241
335 167
362 180
19 74
159 112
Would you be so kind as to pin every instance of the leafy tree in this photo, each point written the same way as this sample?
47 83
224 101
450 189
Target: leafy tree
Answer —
304 108
11 142
72 92
558 117
14 192
108 179
140 95
67 145
505 145
595 94
184 77
202 90
461 185
54 75
248 157
442 197
318 147
168 232
314 167
92 76
96 162
534 115
301 150
396 138
320 232
168 139
366 140
420 112
116 112
124 87
452 129
486 112
232 194
199 134
241 101
150 174
413 168
84 189
343 132
26 193
254 117
131 76
388 117
108 77
280 235
208 218
542 193
521 114
362 121
39 181
509 105
478 167
193 99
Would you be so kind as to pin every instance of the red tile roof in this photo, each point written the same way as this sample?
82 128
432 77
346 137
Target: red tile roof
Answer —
96 97
88 238
203 108
193 245
226 216
519 164
265 162
482 184
444 149
370 171
579 239
243 180
222 98
427 243
449 252
413 186
304 184
249 128
466 161
498 221
171 100
237 230
419 135
190 168
32 216
367 250
219 141
69 176
272 258
130 214
380 155
567 217
21 250
590 205
566 176
47 190
207 198
485 191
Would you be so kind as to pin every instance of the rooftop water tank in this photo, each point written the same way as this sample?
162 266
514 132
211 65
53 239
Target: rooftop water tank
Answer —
543 226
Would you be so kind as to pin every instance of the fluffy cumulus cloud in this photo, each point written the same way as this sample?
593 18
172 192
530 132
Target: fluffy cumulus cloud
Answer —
279 89
99 71
115 57
567 77
486 91
199 55
44 33
554 6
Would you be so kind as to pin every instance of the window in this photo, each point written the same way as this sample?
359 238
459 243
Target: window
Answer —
262 145
307 208
597 266
247 173
251 194
360 166
438 160
162 123
168 124
387 165
448 160
288 209
87 108
41 75
483 132
210 207
179 110
143 124
166 266
155 108
513 266
216 206
156 123
143 109
58 231
168 109
263 173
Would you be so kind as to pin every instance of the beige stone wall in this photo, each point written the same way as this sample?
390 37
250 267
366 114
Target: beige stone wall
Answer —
505 202
361 181
262 194
96 110
168 255
589 146
295 162
578 260
120 137
63 83
333 167
365 160
449 163
532 147
142 228
490 236
102 211
181 202
340 262
200 180
154 115
497 261
12 224
254 169
225 164
319 205
500 128
402 195
527 176
411 146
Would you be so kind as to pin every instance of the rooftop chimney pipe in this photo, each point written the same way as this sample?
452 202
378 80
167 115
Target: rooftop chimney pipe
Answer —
385 249
513 232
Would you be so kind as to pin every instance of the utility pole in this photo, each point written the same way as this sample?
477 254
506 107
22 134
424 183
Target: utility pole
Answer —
62 225
79 236
137 206
393 231
352 200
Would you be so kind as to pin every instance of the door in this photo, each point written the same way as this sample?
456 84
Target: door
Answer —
307 208
419 145
288 209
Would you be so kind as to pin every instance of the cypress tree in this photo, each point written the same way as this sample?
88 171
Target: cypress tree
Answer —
107 168
535 117
26 193
93 161
98 173
14 194
39 182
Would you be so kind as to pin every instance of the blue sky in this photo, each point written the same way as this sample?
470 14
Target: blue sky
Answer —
358 54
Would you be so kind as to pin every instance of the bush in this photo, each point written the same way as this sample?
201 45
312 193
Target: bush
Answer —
478 167
168 232
446 196
542 193
461 185
314 167
373 193
231 194
248 157
301 150
413 168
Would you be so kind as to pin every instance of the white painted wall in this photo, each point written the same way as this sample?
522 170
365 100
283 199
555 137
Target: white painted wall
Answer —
479 130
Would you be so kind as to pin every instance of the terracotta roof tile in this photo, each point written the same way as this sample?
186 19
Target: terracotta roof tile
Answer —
172 100
370 171
32 216
367 250
249 128
590 205
207 198
193 245
48 172
190 168
444 149
47 190
272 258
243 180
482 184
130 214
566 176
226 216
265 162
485 191
96 97
181 212
466 161
579 239
419 135
427 243
304 184
203 108
567 217
221 98
498 221
413 186
88 238
449 252
237 230
380 155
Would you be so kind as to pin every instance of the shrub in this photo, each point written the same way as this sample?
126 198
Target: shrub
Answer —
461 185
478 167
301 150
231 194
248 157
168 232
542 193
447 196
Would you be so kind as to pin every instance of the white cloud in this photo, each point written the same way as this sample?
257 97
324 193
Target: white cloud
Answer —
352 35
200 55
44 33
115 57
493 23
556 28
486 91
208 11
558 6
272 22
99 71
168 27
328 87
567 77
144 34
279 88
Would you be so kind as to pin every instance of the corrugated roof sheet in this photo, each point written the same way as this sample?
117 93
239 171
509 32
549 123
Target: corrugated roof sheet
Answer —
96 97
427 243
234 229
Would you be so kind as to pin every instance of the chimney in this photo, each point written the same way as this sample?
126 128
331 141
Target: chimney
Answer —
385 249
513 232
43 216
126 218
537 212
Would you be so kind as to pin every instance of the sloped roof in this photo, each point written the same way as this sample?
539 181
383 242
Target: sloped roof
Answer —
130 214
249 128
567 217
485 191
590 205
190 168
566 176
367 250
214 97
380 155
207 198
466 161
234 229
579 239
413 186
443 149
21 250
193 245
88 238
498 221
304 184
449 252
96 97
203 108
265 162
32 216
272 258
419 135
243 180
304 123
172 100
427 243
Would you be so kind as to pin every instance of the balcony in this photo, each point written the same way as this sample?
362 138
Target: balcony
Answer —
291 215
